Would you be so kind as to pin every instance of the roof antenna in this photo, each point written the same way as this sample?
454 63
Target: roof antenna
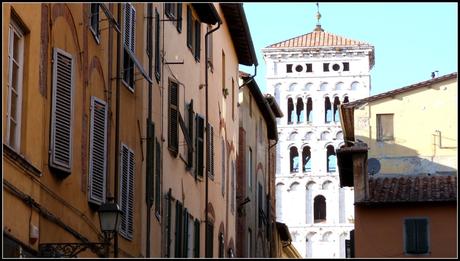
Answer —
434 74
318 16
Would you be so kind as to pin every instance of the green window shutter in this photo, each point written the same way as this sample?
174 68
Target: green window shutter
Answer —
150 163
422 235
199 146
189 27
197 40
168 224
179 17
178 233
173 137
210 148
209 239
157 177
185 234
196 247
416 236
191 118
157 46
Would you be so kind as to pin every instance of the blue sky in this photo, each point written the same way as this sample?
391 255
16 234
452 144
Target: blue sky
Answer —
411 40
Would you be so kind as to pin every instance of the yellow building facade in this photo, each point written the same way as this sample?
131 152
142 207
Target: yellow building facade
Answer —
411 130
113 100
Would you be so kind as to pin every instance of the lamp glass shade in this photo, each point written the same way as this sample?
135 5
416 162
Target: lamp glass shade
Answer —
109 215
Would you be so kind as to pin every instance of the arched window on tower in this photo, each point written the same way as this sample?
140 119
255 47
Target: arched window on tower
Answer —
309 110
336 109
290 110
306 159
331 159
294 159
327 110
299 110
345 100
319 209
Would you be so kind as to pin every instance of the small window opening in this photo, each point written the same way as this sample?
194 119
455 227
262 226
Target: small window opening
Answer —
319 207
306 156
346 67
331 159
289 68
290 110
327 110
326 67
309 67
294 160
298 68
309 110
336 109
300 108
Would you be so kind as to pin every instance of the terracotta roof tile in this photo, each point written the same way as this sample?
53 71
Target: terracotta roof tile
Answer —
318 39
412 189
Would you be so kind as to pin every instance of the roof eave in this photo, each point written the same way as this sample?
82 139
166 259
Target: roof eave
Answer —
240 33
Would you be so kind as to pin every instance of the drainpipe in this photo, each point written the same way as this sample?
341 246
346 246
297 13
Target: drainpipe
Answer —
117 128
149 138
207 131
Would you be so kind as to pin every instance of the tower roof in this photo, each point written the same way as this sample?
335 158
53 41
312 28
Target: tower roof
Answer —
318 38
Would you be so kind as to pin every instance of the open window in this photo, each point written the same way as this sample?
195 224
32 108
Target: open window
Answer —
331 159
294 159
290 109
299 110
327 110
306 159
309 110
336 109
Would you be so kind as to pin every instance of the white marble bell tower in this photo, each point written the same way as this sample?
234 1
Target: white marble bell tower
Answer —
310 75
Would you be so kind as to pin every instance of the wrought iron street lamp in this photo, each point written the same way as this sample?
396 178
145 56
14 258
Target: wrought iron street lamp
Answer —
109 218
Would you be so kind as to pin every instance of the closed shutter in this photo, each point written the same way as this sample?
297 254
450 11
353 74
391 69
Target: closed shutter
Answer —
126 191
150 172
130 26
173 140
197 39
210 147
178 232
61 119
157 177
416 236
189 27
199 145
196 247
185 234
191 118
157 46
179 17
97 151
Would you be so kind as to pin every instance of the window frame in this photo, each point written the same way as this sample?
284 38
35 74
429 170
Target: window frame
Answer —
15 28
95 31
129 28
380 129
